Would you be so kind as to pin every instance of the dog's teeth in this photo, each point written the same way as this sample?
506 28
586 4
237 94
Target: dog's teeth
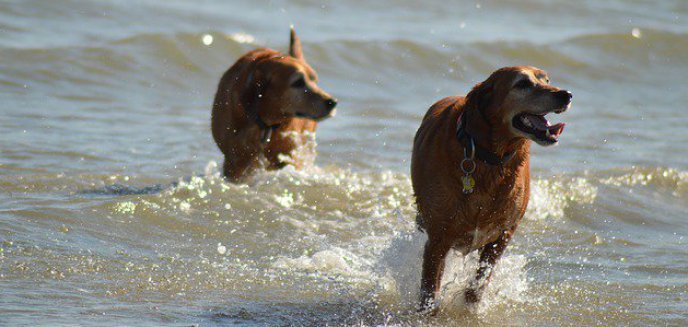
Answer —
527 122
547 133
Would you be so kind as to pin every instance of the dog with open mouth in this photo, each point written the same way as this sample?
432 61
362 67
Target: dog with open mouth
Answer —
265 106
471 172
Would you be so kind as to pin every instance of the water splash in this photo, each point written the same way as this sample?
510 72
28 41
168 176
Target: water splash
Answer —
305 150
400 268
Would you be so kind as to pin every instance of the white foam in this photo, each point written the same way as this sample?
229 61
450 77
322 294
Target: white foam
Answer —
304 151
550 197
331 261
242 38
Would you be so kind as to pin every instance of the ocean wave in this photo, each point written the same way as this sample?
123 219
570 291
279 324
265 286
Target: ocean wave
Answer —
140 62
340 193
670 180
173 58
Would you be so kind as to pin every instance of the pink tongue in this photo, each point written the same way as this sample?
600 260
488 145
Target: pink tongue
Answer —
556 129
541 123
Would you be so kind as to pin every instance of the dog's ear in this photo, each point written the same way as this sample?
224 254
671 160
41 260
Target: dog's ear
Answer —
295 45
253 92
480 97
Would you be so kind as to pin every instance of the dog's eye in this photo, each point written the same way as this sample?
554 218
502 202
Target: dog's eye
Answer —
523 84
299 83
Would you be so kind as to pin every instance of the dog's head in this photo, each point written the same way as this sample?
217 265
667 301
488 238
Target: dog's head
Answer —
282 87
514 102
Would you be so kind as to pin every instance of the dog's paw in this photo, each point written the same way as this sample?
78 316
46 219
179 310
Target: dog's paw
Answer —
428 307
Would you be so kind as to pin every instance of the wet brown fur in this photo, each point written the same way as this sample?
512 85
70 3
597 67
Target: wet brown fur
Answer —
486 219
261 82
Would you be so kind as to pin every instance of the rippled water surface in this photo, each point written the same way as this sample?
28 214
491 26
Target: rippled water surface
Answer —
112 210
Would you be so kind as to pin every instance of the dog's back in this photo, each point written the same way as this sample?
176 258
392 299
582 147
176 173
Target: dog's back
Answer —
227 106
429 156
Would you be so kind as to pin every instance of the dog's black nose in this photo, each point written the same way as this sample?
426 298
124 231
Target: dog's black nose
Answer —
331 103
565 95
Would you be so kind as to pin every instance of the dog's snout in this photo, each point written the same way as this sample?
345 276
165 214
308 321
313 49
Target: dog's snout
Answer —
330 103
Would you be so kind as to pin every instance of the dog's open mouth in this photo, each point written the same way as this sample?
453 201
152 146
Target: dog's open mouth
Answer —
538 128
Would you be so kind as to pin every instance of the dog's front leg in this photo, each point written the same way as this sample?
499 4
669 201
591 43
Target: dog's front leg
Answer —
435 252
489 254
238 165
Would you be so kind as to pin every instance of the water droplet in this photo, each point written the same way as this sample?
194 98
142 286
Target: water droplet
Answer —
207 39
221 249
636 33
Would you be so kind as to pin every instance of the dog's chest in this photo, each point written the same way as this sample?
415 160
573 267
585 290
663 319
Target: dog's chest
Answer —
492 210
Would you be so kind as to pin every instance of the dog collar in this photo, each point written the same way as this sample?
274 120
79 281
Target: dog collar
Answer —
477 151
266 133
265 129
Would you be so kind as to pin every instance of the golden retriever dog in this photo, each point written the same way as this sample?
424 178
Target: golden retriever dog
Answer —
471 172
265 106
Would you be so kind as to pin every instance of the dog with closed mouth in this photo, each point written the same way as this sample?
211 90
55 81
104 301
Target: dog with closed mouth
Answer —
265 106
470 170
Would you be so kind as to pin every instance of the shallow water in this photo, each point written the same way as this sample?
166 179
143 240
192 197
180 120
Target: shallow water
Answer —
112 211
